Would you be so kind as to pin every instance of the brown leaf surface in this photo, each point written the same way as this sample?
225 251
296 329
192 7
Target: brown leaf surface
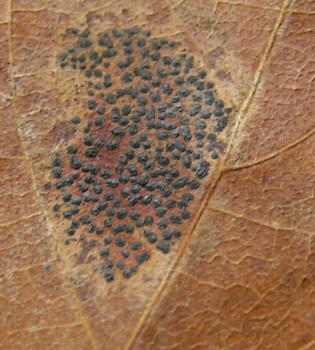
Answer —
242 276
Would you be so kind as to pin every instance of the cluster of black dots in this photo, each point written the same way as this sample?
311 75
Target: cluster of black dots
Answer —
147 143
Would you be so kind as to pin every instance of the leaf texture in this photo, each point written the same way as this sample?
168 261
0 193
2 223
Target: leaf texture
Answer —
242 274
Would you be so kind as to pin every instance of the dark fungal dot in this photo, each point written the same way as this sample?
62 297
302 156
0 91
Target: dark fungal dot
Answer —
125 253
76 120
120 265
56 172
136 245
118 228
108 275
140 222
150 236
59 184
120 242
161 211
142 257
99 230
122 213
67 214
171 203
129 272
91 228
185 214
148 220
214 155
129 229
156 201
108 196
167 235
162 224
146 199
66 196
151 132
85 219
99 121
163 246
116 203
108 240
221 124
56 208
134 215
110 212
72 149
112 183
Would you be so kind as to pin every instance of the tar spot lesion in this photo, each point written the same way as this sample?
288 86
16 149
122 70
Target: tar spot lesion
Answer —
150 138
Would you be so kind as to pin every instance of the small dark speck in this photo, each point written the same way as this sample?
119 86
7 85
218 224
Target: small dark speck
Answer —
76 120
47 186
47 267
56 208
163 246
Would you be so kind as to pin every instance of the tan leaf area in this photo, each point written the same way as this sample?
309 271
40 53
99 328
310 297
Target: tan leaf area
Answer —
242 275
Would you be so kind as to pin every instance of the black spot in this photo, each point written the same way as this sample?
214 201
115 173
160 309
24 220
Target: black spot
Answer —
56 208
125 253
142 257
136 245
163 246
